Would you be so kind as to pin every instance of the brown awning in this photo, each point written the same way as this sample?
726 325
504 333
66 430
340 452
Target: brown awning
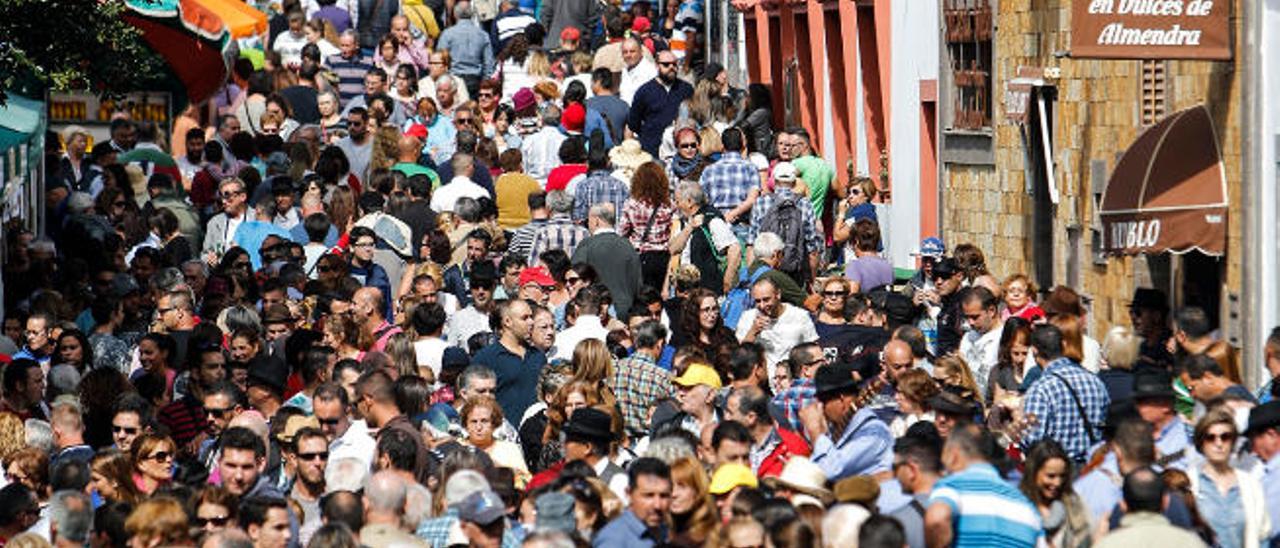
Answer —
1169 191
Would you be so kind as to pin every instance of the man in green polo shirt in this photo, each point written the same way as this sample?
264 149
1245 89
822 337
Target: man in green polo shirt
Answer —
409 150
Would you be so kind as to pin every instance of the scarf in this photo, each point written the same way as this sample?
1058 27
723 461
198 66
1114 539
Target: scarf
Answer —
683 167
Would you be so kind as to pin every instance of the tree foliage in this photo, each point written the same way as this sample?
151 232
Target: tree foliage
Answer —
72 45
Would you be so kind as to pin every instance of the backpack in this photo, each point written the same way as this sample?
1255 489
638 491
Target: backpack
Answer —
739 298
787 221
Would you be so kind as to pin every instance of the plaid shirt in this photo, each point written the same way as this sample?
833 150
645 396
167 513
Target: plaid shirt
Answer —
728 181
786 406
635 216
560 232
435 531
638 383
600 186
766 201
1049 399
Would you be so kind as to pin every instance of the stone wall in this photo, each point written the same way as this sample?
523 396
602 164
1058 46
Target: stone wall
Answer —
1097 115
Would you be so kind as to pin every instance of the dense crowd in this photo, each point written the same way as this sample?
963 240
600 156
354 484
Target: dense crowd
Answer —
534 273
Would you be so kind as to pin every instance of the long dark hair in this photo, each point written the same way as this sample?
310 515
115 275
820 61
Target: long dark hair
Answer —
1039 455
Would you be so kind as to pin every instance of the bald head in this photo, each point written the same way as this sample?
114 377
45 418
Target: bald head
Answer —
409 148
898 358
253 421
368 300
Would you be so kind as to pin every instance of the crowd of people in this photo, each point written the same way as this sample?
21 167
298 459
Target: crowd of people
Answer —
534 273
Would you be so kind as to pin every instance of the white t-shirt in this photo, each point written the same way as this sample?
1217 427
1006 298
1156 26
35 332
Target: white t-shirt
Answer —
430 353
445 198
792 327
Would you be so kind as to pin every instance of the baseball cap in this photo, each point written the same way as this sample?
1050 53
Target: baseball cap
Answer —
536 275
570 33
641 24
482 507
574 117
784 171
730 476
932 247
697 374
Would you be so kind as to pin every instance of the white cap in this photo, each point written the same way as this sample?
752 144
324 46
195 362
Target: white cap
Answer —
784 171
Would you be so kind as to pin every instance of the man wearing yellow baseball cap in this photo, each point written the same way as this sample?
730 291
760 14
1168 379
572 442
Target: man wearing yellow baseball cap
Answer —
727 481
696 391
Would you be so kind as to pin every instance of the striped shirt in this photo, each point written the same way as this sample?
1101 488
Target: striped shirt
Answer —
986 510
350 73
559 233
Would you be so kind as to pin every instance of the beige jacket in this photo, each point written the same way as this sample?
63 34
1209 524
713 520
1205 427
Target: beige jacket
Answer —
1257 524
1149 529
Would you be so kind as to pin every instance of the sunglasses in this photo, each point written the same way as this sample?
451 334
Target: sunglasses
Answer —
834 294
486 95
329 422
326 268
160 456
123 429
220 521
323 455
117 204
666 63
217 413
230 195
688 145
1225 437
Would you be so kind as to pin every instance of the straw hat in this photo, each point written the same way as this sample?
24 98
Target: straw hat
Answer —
73 130
629 155
801 475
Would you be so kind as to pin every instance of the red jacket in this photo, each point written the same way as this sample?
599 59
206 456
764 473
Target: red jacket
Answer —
792 445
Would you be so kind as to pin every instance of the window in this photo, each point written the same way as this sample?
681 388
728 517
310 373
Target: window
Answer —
1153 93
966 84
969 30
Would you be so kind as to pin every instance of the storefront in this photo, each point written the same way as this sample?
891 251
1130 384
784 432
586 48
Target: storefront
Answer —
1102 145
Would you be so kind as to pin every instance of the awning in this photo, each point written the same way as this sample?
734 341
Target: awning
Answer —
1169 190
240 18
192 38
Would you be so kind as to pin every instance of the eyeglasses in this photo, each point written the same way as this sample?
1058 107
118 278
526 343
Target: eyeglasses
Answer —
220 521
160 456
1225 437
323 455
123 429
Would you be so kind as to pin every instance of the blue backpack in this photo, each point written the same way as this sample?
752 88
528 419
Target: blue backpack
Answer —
739 298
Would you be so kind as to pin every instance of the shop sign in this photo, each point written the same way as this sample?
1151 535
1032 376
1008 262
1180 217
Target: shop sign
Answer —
1151 29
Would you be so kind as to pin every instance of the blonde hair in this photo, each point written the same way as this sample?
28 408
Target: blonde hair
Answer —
952 370
28 540
13 436
711 143
539 66
158 521
592 362
1120 348
704 519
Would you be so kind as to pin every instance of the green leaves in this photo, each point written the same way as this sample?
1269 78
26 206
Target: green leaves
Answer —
72 45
